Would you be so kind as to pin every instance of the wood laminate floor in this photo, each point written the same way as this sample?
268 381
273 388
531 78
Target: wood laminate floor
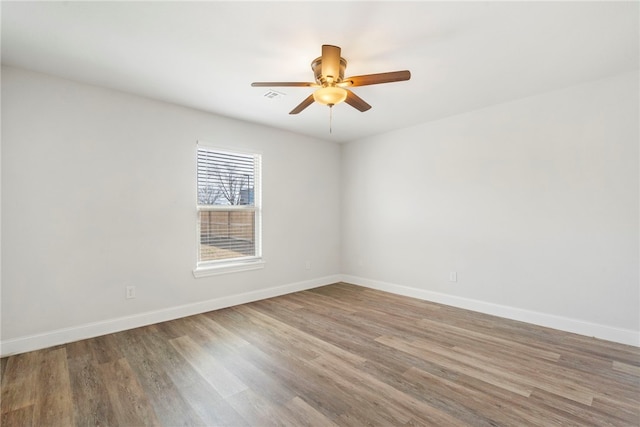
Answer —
337 355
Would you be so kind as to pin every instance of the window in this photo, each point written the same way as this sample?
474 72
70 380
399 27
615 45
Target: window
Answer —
229 216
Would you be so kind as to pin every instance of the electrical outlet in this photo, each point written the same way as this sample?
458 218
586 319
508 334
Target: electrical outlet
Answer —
453 276
131 292
307 265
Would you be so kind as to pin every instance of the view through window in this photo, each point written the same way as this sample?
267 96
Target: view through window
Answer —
228 206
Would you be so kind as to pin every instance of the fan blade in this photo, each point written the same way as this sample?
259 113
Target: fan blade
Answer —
374 79
356 102
282 84
331 61
304 104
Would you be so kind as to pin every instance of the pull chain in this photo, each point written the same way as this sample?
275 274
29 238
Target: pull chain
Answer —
330 116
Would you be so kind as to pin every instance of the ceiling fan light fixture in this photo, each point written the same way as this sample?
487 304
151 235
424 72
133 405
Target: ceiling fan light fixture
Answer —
330 95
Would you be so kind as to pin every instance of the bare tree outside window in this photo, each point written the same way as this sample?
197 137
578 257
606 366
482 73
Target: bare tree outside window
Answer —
231 183
208 195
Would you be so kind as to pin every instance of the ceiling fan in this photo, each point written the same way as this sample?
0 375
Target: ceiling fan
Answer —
328 71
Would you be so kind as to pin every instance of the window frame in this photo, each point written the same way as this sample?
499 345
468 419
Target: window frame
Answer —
232 265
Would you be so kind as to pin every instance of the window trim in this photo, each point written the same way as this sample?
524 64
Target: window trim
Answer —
228 267
232 265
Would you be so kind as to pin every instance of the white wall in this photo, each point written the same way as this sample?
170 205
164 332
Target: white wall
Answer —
98 191
533 203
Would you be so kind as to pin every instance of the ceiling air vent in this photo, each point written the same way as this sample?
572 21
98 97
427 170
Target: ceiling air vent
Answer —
273 94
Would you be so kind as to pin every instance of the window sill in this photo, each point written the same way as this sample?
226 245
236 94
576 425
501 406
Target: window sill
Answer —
227 268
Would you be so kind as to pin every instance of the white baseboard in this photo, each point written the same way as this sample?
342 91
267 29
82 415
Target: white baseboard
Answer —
94 329
609 333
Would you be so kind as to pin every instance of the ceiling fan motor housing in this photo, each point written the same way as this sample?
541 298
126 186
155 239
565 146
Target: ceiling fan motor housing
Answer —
323 80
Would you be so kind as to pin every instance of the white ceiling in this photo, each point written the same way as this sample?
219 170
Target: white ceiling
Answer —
462 55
